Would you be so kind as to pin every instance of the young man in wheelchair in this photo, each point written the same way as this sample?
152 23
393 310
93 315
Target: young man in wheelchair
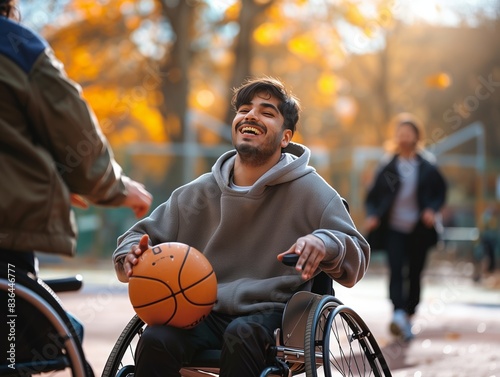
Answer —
260 201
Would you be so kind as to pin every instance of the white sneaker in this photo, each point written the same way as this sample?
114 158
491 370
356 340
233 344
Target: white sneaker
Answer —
401 326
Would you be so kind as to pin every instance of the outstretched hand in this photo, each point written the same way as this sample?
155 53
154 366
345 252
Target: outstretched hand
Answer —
138 198
78 201
132 257
371 222
311 251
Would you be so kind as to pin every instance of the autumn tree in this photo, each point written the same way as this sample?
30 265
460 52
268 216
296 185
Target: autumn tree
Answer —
248 15
151 69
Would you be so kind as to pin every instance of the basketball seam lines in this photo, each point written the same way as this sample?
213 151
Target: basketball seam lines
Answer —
173 295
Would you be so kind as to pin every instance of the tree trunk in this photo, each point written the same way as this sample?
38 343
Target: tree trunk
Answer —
243 49
175 84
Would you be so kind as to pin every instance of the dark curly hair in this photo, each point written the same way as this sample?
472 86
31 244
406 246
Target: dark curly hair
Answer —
8 9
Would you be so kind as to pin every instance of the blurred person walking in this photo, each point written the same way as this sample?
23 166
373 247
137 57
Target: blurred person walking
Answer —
402 206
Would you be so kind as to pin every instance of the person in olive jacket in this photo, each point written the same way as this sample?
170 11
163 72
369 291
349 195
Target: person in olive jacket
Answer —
53 155
52 151
402 207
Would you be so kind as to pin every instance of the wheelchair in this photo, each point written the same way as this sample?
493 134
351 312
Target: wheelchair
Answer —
319 336
47 341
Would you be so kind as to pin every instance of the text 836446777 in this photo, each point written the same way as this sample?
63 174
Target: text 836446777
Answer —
11 315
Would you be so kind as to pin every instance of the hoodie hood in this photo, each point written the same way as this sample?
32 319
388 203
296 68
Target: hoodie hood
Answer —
293 164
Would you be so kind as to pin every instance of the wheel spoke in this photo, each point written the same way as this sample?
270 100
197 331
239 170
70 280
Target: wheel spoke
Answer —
348 347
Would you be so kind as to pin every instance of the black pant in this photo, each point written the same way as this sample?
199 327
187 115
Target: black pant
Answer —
23 261
406 259
488 243
244 341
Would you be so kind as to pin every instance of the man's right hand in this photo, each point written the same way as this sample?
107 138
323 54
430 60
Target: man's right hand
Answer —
138 198
132 257
371 223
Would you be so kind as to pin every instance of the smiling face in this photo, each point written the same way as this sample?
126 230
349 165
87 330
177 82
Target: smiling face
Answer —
257 130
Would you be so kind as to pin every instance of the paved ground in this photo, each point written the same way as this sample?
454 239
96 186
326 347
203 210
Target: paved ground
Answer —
457 326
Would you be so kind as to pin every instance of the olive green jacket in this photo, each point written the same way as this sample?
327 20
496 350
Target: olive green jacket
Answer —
50 146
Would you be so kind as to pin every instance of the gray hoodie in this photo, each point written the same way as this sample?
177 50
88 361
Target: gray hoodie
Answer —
241 233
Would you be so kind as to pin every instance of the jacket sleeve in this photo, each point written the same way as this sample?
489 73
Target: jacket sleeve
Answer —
381 192
437 190
66 126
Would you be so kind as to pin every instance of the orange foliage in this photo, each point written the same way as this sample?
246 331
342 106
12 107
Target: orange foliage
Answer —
268 33
101 51
327 84
305 46
233 11
439 80
353 15
117 80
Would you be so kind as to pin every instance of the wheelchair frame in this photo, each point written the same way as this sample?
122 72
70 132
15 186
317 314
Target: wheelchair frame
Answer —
40 296
311 323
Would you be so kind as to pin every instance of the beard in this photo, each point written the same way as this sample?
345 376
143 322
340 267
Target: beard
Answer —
257 155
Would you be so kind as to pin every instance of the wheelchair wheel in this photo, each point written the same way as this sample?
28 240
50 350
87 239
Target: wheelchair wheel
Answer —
338 341
47 341
121 361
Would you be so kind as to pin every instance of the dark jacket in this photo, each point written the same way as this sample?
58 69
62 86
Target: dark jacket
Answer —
431 193
51 146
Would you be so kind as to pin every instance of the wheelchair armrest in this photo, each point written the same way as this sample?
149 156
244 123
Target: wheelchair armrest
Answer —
70 284
322 283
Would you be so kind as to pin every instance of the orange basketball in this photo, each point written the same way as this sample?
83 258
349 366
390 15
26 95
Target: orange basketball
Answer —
173 284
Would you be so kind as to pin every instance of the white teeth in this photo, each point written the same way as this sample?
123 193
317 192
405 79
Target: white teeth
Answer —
253 130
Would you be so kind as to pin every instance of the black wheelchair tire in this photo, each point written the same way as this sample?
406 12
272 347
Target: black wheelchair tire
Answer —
73 359
113 366
327 318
